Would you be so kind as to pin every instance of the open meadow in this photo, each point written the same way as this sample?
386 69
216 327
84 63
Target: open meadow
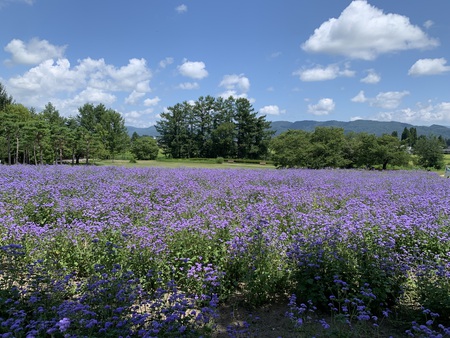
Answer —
109 251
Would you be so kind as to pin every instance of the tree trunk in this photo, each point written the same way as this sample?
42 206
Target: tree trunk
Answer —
16 161
9 151
34 154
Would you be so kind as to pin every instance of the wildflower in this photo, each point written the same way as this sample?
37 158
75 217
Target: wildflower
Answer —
63 324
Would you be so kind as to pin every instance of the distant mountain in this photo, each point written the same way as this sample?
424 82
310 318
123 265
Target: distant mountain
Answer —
368 126
150 131
358 126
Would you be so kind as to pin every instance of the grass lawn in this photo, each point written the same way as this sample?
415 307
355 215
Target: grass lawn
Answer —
183 164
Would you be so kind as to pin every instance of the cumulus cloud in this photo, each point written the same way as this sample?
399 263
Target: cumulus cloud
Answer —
181 8
372 77
235 85
271 110
33 52
385 100
134 97
320 73
152 102
363 31
360 98
422 114
193 69
188 85
429 67
137 118
88 81
325 106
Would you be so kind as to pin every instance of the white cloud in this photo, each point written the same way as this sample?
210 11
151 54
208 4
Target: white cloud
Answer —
429 67
420 115
134 97
385 100
360 98
188 85
325 106
89 81
372 77
235 85
33 52
320 73
363 32
195 70
181 8
152 102
167 61
271 110
140 118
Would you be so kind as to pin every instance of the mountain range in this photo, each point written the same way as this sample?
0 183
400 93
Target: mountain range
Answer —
358 126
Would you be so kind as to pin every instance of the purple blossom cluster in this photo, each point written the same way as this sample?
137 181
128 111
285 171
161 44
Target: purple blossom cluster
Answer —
378 236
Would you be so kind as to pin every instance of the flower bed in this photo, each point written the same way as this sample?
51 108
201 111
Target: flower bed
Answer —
95 251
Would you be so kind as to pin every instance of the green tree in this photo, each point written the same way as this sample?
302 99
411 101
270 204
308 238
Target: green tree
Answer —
113 131
203 112
290 149
5 99
327 148
252 132
38 136
429 152
366 154
405 135
14 119
92 134
59 131
145 148
389 150
173 128
223 135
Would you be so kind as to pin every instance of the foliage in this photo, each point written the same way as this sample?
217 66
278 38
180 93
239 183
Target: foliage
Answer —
429 152
145 148
329 147
213 127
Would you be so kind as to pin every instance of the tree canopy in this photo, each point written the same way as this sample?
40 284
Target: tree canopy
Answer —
330 147
214 127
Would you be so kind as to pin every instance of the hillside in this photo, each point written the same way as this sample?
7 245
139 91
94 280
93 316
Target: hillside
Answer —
368 126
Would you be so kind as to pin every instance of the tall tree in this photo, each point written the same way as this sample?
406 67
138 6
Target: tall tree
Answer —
114 132
429 152
59 132
90 129
174 131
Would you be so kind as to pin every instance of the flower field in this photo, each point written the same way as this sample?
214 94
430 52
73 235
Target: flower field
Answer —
153 252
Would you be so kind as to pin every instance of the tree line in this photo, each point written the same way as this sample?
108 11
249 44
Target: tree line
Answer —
331 147
214 127
207 128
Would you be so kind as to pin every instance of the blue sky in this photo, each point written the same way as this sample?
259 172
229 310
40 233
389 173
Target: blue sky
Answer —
293 59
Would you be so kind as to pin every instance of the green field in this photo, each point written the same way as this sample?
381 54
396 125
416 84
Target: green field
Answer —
184 164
